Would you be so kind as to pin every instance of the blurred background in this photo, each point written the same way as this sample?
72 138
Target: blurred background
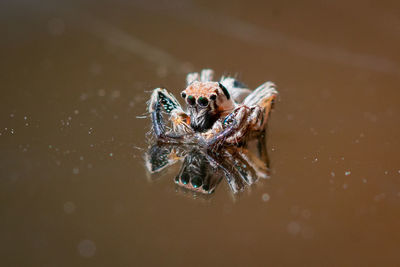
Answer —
75 76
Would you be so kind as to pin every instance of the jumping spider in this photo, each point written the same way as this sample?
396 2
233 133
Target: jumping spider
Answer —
218 113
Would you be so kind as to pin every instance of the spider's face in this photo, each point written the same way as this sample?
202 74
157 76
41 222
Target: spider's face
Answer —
206 102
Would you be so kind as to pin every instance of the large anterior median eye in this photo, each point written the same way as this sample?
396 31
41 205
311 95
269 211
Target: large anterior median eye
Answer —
202 101
191 100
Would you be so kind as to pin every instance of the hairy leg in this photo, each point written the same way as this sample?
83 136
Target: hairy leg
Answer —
261 94
236 89
231 124
206 75
161 100
262 98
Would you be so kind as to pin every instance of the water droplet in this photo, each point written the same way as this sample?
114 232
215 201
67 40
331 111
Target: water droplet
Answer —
69 207
101 92
379 197
75 170
87 248
115 94
306 214
265 197
294 228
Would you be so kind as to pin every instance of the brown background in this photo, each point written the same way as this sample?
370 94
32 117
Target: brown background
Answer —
75 75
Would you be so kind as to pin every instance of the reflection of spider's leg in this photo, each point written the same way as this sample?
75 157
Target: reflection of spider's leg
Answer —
161 98
262 148
159 157
231 174
263 97
259 166
242 167
237 90
236 158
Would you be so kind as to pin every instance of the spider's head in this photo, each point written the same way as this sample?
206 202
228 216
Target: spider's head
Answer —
206 102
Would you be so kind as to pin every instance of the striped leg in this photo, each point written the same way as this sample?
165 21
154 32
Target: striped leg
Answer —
161 100
160 156
261 100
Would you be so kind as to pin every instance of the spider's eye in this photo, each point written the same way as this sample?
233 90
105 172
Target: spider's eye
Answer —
183 95
213 97
191 100
202 101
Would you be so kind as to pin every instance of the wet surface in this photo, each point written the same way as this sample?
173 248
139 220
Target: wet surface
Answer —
75 77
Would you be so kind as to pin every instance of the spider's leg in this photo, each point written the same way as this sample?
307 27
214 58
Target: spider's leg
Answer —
192 77
207 75
162 99
261 98
236 89
231 124
261 94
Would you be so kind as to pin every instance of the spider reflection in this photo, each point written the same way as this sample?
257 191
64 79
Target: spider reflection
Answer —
202 170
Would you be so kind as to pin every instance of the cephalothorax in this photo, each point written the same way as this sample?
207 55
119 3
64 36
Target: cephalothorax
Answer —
218 113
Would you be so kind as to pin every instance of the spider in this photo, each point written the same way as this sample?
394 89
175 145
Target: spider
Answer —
218 113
